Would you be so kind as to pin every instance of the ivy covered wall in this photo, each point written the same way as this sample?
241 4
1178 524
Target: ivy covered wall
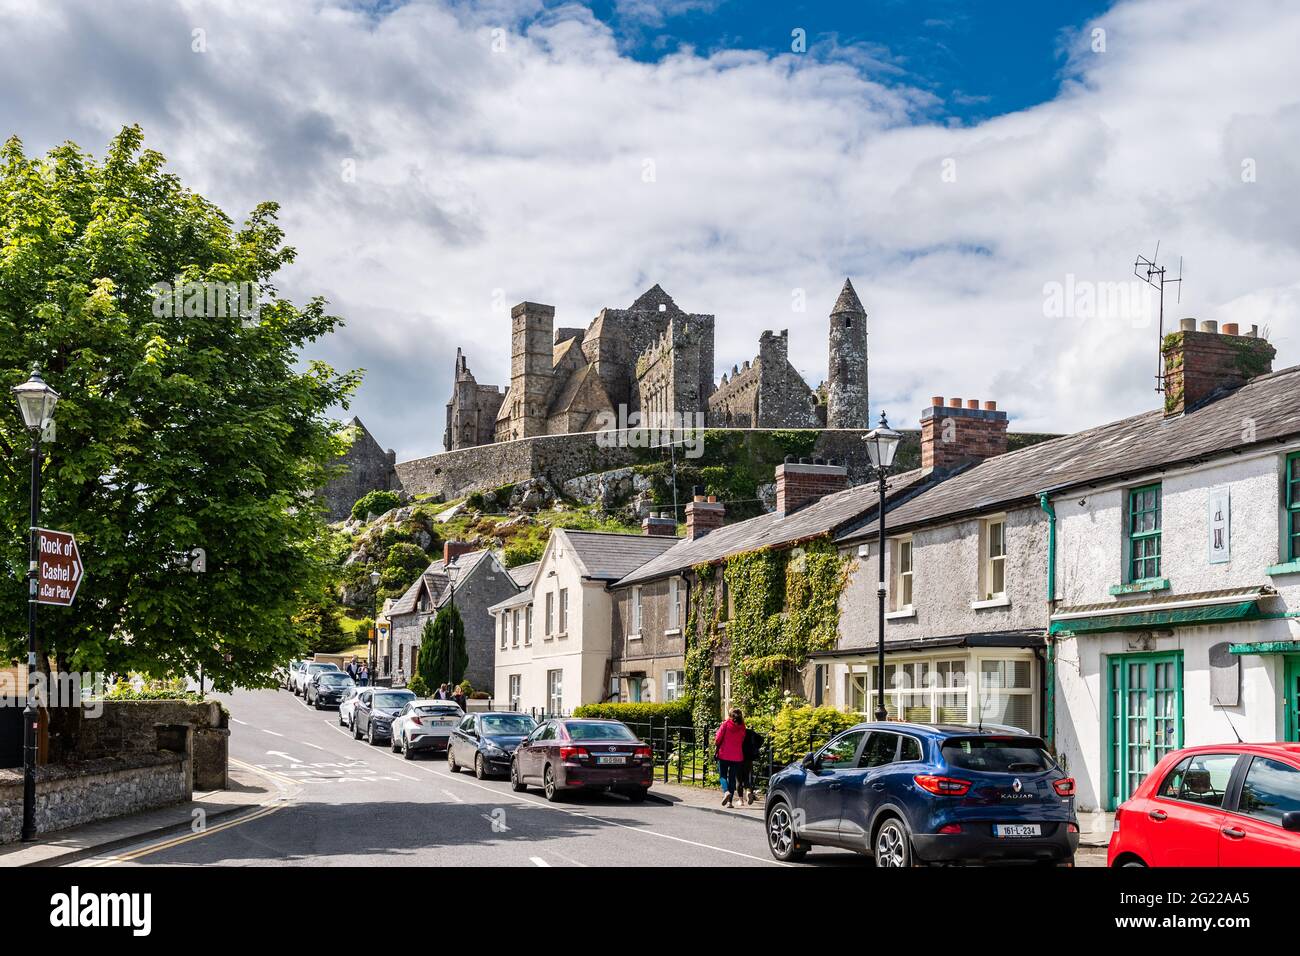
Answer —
761 613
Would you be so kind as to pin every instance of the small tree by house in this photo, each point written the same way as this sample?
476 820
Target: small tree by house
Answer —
446 627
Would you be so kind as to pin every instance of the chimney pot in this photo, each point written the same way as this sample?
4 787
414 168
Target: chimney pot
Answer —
954 402
937 401
1198 365
1187 325
1230 328
713 499
968 438
804 461
1254 331
1210 325
990 406
972 403
702 517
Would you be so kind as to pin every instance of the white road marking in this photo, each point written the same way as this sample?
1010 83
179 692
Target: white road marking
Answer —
406 775
451 795
280 753
236 720
538 861
271 732
313 746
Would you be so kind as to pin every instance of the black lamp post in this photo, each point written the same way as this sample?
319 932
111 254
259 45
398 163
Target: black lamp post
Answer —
882 442
374 637
36 401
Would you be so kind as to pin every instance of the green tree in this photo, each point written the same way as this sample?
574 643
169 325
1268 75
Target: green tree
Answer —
431 665
375 503
402 565
193 429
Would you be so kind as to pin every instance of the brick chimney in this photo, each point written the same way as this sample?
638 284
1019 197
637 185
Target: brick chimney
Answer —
660 524
1198 363
703 515
803 482
953 433
454 549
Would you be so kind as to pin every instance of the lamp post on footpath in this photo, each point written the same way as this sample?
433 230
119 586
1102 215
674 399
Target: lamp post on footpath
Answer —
36 402
882 442
375 577
453 569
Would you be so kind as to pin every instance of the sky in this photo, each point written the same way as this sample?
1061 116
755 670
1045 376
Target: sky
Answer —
985 172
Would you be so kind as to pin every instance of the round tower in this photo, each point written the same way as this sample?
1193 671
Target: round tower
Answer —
846 384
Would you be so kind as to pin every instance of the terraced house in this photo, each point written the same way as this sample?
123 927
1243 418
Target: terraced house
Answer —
1124 591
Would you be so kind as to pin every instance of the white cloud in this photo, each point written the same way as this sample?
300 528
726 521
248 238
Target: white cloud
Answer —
521 171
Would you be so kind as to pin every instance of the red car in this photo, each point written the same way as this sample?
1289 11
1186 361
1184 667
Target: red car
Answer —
579 754
1229 805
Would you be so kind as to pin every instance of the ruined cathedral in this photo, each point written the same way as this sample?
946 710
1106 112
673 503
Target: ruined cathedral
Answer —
654 359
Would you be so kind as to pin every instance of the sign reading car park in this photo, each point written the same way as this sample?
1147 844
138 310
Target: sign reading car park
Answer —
58 570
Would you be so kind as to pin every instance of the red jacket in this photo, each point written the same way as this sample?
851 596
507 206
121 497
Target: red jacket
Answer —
730 740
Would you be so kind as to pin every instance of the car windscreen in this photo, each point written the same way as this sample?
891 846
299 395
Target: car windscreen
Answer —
317 668
509 726
335 678
997 754
582 730
392 700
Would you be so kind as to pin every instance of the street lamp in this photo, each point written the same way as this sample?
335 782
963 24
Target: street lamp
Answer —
36 402
882 442
374 638
452 569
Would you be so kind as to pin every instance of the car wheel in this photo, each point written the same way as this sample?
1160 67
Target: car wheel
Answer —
479 771
893 846
549 786
395 743
451 761
1138 864
407 752
356 729
781 838
341 723
516 784
370 733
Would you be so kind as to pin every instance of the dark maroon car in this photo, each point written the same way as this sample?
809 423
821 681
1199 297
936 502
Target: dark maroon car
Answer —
578 754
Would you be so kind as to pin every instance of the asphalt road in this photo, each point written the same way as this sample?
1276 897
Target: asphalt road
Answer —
343 802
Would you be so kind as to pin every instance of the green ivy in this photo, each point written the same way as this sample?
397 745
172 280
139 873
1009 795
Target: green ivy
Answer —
702 627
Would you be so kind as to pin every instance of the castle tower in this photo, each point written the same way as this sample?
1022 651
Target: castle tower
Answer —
531 367
846 398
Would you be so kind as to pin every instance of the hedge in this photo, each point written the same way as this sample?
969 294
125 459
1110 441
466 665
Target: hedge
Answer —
797 730
676 713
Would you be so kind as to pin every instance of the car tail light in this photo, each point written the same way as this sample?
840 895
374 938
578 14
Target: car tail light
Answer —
1064 787
573 753
417 721
645 753
942 786
1118 813
1071 828
950 828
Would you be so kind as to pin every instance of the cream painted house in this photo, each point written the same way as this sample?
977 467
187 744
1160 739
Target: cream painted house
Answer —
554 640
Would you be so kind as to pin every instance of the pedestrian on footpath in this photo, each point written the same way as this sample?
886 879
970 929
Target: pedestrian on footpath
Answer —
441 693
730 742
352 669
461 702
363 676
753 747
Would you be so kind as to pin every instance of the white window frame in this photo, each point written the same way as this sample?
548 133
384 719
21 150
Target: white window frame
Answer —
672 686
995 529
902 581
514 627
564 612
555 691
505 616
636 613
515 685
550 614
528 625
675 590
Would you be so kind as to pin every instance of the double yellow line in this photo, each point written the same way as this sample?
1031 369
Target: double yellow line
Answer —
285 785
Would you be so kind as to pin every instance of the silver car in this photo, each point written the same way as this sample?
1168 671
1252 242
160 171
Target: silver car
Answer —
306 672
425 725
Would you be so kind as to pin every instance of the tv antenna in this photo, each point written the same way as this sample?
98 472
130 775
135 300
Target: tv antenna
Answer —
1153 274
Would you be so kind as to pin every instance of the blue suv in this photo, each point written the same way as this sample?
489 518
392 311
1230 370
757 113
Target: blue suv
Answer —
912 794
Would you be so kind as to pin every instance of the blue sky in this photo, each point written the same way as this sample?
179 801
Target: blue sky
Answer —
978 59
437 161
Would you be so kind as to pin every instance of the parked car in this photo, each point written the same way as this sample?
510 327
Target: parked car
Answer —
328 688
306 672
487 741
909 794
284 675
424 725
346 706
1222 805
577 754
374 710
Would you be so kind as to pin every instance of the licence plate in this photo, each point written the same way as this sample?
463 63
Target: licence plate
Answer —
1017 830
611 760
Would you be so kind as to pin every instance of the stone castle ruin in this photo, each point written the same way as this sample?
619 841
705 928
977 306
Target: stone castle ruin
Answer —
652 359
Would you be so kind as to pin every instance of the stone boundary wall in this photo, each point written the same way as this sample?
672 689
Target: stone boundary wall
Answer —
70 796
560 458
129 728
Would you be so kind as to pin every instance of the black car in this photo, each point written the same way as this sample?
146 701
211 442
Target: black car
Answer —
328 688
373 713
487 741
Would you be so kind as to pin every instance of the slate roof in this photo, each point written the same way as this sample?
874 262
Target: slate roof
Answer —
848 301
523 574
607 556
821 517
435 579
518 600
1126 448
1024 637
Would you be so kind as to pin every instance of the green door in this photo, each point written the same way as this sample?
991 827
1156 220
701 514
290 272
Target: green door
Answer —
1291 697
1144 717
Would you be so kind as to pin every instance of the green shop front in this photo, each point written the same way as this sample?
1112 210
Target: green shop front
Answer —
1136 680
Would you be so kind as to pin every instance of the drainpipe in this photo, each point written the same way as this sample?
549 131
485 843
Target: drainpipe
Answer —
1049 683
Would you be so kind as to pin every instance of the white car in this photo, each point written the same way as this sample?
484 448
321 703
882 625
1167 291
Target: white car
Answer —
425 725
305 673
348 702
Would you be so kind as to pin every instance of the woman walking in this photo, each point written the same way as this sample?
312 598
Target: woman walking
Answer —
730 742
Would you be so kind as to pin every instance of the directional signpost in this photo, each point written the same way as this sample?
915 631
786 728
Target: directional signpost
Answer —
59 570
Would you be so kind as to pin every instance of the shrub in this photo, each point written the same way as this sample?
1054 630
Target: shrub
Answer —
797 730
417 686
524 552
403 565
678 712
375 502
